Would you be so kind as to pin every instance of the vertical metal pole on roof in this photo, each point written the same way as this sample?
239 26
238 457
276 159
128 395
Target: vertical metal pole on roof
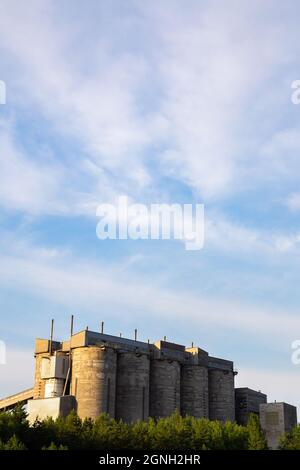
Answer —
102 327
68 377
51 336
135 335
72 325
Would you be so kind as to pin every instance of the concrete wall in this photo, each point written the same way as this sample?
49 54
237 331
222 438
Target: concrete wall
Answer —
132 403
50 407
276 419
247 401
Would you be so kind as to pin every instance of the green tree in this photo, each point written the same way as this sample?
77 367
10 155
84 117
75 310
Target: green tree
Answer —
12 444
55 447
256 436
14 422
291 440
234 436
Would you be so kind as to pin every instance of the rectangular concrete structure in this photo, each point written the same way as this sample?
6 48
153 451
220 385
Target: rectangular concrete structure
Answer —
50 407
247 401
276 419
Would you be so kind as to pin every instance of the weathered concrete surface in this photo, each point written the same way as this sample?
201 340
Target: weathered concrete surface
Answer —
194 391
247 401
276 419
50 407
221 395
164 387
94 380
131 379
132 387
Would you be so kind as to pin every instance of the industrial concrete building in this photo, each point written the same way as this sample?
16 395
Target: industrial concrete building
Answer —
276 419
129 379
247 401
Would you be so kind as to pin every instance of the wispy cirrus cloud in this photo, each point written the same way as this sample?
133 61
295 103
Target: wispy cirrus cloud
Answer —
194 118
165 102
25 184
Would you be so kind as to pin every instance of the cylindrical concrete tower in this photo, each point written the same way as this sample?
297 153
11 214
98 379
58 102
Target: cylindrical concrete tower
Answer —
94 380
194 391
132 396
164 387
221 395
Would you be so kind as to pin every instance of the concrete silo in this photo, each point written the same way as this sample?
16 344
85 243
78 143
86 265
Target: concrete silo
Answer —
94 380
164 387
221 390
132 396
194 391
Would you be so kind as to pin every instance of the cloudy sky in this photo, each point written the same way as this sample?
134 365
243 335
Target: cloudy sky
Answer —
162 101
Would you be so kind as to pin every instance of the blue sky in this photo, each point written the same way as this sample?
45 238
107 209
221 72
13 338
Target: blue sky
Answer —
174 102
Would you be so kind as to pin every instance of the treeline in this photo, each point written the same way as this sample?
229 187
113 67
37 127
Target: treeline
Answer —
105 433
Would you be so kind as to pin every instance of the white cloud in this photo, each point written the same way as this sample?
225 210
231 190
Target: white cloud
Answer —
195 88
215 59
98 108
230 236
25 184
39 184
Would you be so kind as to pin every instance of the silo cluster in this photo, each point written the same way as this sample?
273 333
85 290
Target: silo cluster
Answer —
132 380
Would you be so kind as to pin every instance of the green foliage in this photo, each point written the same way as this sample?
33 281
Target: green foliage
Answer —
291 440
13 423
12 444
172 433
256 436
54 447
